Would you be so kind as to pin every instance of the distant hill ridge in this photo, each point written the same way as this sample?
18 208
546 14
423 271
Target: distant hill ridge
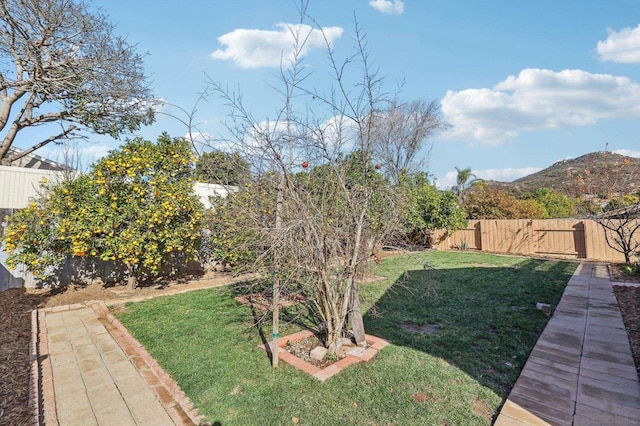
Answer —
594 175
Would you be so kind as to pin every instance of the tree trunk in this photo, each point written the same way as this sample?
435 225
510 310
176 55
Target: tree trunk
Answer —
131 278
275 349
334 335
355 314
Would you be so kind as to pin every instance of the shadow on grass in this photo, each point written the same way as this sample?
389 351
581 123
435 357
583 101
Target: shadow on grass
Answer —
293 318
481 319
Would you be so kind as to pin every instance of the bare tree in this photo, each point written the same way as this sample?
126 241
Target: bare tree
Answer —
622 230
61 63
400 131
328 206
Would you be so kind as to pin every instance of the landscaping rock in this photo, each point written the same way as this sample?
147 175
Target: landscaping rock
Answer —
357 351
346 341
318 353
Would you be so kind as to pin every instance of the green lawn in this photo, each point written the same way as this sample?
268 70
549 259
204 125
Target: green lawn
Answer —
482 308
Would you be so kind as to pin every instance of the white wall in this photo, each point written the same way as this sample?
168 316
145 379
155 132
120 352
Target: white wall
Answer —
206 190
18 185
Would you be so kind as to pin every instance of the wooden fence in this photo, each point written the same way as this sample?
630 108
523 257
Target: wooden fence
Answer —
564 238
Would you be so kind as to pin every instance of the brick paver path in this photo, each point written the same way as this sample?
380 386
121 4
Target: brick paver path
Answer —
87 369
581 370
93 380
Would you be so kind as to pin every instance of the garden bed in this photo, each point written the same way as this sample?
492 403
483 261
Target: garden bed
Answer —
295 350
629 303
15 334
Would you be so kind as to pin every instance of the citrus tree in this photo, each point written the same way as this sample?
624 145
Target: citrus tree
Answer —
135 207
222 168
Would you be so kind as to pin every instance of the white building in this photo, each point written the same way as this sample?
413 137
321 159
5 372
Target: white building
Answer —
206 191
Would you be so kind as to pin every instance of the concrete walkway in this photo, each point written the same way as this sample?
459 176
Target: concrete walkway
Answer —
94 373
581 370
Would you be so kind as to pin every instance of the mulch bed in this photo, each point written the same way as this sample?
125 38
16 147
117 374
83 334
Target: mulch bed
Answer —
629 303
15 333
619 274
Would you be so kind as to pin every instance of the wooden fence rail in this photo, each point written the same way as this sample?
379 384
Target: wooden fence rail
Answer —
564 238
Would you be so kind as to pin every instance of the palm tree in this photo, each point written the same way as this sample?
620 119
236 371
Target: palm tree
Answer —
464 180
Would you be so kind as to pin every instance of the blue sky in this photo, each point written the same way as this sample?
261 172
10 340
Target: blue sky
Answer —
523 83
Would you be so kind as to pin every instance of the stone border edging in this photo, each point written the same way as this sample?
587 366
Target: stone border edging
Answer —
173 399
208 284
49 412
34 372
322 374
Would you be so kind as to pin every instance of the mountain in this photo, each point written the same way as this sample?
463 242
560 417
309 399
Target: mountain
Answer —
595 175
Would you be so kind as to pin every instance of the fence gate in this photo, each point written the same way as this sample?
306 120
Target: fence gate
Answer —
559 238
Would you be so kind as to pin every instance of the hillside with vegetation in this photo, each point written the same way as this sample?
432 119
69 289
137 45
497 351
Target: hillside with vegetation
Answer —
601 175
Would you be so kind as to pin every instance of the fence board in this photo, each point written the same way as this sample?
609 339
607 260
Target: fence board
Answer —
564 238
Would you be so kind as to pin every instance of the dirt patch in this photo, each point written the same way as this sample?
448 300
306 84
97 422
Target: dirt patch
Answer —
423 397
79 294
482 409
420 329
15 334
368 278
629 303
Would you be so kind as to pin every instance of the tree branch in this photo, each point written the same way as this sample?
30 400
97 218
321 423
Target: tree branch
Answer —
8 161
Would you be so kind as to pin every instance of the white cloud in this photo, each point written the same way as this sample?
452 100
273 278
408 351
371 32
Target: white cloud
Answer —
502 175
198 137
628 152
94 152
263 48
390 7
506 175
621 46
539 99
203 141
76 154
338 133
